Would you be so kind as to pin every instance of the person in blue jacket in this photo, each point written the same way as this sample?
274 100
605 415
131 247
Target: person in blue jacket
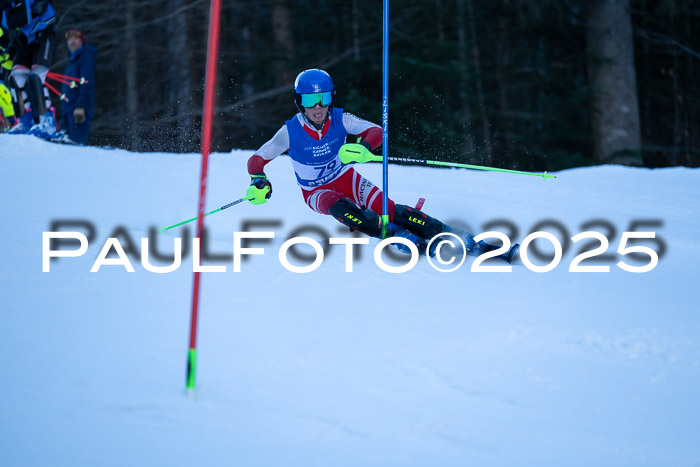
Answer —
79 103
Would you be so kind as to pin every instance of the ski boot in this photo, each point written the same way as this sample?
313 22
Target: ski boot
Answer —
393 230
22 124
418 222
46 128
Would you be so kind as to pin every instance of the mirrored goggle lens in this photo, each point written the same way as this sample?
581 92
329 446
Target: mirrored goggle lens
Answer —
310 100
70 34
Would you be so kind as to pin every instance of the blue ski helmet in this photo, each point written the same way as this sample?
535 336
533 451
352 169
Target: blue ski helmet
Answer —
317 85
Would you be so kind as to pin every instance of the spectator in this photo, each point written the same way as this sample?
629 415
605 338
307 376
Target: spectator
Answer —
7 112
77 108
5 54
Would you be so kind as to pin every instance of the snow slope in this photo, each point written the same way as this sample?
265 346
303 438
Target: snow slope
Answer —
332 368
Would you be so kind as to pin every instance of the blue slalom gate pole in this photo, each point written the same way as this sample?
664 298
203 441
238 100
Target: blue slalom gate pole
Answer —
385 121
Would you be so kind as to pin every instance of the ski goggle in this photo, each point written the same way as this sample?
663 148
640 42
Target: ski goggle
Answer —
322 98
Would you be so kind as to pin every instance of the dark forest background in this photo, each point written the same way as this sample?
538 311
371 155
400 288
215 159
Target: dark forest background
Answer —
531 84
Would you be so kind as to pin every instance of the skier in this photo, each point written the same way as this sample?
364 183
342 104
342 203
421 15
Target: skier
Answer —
35 44
316 140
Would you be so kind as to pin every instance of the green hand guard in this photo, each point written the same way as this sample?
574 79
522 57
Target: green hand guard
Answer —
354 152
257 195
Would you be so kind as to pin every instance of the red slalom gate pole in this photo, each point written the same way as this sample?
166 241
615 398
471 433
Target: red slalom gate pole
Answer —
207 125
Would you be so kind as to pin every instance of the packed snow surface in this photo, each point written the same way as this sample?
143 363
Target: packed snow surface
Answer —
336 368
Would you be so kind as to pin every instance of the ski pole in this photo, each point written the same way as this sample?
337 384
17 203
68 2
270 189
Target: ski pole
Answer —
544 174
66 79
356 156
163 229
55 91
